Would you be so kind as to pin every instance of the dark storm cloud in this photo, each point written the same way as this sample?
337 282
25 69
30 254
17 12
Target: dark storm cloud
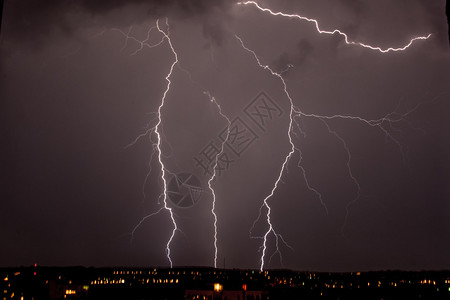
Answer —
213 28
358 10
282 62
305 51
33 20
359 7
435 10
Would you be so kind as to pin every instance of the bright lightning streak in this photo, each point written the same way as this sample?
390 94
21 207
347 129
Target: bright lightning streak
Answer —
150 129
158 144
347 41
286 160
212 178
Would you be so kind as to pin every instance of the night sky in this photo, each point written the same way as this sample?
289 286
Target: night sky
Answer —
75 92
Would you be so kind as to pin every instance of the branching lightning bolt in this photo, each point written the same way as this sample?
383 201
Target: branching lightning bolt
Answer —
285 162
346 38
157 129
296 112
158 145
384 124
213 177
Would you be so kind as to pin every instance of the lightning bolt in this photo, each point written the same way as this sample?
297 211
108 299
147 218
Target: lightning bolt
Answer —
265 204
296 112
158 134
156 145
157 128
334 31
213 177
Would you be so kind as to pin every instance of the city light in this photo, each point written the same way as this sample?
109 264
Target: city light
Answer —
70 292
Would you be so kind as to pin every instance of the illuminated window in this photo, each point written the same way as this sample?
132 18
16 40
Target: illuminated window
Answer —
218 287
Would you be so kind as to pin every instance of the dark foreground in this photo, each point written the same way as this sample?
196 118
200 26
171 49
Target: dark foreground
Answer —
209 283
